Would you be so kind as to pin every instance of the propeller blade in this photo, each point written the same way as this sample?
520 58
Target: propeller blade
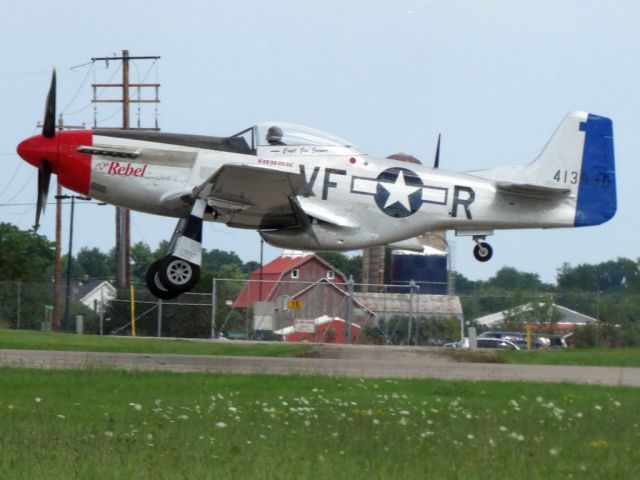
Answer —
49 128
44 175
436 162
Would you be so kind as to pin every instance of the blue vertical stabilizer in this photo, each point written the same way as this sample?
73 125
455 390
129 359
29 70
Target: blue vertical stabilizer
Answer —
596 201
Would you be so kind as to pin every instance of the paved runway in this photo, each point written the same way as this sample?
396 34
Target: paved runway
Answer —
373 366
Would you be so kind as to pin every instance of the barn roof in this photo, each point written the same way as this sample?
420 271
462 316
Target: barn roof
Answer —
335 287
390 304
568 316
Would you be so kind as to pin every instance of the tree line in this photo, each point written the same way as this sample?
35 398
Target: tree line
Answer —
608 291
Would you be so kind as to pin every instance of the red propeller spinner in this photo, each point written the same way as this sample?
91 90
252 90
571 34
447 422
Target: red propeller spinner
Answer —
52 152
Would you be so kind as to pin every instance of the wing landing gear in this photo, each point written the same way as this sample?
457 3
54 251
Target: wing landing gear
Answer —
178 274
153 282
482 251
178 271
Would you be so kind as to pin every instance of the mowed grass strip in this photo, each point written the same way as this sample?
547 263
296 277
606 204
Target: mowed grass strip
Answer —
29 340
603 357
101 424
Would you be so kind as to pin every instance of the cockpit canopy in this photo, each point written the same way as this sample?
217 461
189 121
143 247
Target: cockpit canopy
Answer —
288 134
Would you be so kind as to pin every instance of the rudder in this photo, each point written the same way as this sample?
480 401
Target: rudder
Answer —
596 202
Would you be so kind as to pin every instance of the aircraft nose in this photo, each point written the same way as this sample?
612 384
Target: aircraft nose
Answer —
38 148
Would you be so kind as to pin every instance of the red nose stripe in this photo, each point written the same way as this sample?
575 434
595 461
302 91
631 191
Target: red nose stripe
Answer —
74 168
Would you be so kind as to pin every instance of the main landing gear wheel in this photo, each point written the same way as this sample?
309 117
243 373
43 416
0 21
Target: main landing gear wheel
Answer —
482 251
178 275
155 286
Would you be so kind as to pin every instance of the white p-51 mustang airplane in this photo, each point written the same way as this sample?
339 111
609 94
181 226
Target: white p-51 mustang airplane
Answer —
304 189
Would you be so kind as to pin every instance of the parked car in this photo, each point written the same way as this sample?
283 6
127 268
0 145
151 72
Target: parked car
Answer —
519 338
489 342
560 341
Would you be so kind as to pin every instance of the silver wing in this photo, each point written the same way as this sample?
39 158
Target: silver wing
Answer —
255 197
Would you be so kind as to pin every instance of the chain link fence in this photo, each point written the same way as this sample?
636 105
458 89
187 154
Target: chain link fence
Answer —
295 311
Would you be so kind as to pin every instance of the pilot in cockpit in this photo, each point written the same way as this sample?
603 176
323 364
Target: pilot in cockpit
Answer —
274 136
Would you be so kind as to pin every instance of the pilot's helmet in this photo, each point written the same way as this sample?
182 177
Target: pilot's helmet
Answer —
274 134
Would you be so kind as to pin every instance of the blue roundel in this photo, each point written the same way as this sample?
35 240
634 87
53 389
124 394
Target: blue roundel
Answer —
399 192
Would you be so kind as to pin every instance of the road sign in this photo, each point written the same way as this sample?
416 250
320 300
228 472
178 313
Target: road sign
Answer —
306 325
294 304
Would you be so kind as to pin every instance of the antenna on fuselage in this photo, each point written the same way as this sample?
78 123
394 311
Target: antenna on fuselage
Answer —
436 161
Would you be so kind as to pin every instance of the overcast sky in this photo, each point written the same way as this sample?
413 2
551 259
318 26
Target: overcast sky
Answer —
495 77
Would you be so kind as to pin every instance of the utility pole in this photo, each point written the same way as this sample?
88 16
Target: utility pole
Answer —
57 266
123 217
66 324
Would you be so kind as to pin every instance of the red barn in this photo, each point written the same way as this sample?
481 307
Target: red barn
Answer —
300 285
286 276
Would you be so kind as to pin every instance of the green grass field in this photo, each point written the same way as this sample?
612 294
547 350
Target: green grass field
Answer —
604 357
101 424
29 340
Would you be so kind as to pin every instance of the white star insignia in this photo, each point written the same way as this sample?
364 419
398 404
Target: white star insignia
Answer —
399 192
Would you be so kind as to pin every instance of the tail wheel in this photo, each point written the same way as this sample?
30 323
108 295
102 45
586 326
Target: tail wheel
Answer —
155 286
482 251
178 275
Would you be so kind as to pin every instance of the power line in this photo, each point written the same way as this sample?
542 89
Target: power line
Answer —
23 186
25 74
12 177
78 91
87 202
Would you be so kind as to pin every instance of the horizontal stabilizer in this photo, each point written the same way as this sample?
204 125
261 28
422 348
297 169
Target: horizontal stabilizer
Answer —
412 244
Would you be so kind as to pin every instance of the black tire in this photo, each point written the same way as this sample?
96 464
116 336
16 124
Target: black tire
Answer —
155 286
483 252
178 275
